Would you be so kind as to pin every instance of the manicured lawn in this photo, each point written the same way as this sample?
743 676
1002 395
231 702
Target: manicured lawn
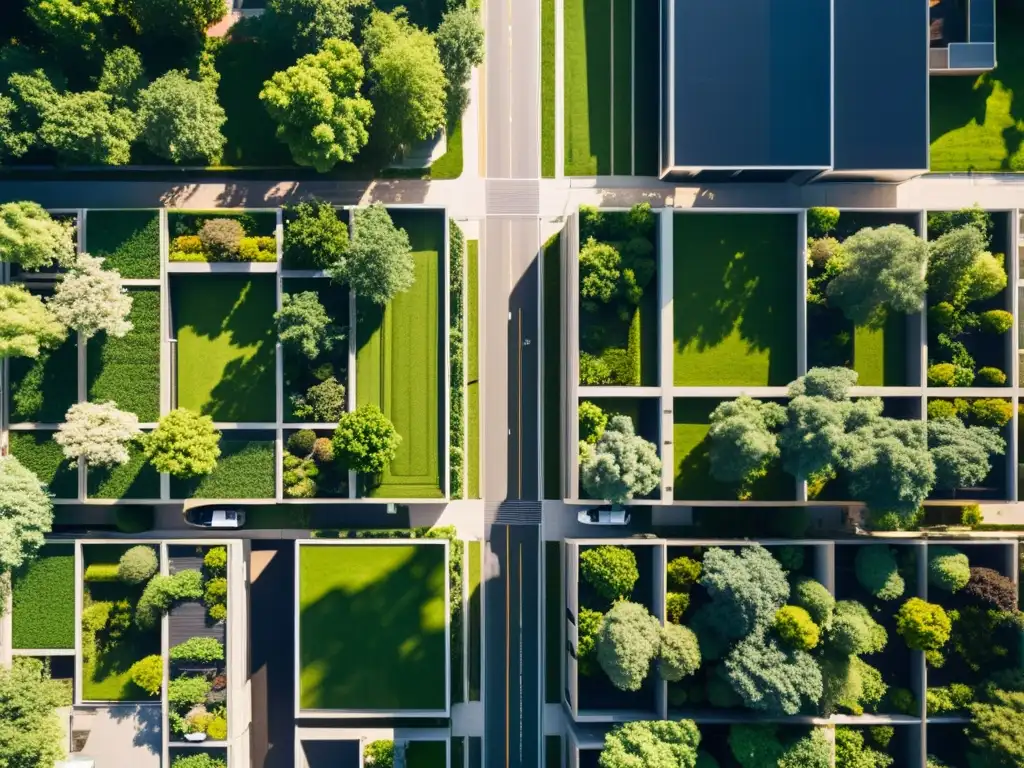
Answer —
547 88
473 368
399 591
622 66
475 556
43 595
552 290
975 121
128 240
880 354
135 480
42 389
693 481
426 754
398 365
588 73
735 299
38 452
225 351
127 370
245 470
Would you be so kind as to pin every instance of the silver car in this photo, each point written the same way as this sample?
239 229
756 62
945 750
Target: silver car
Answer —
212 517
603 516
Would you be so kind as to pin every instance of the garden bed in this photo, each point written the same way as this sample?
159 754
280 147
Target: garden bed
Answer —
295 259
691 446
38 451
128 240
880 355
258 236
311 471
224 326
995 486
43 388
400 364
43 597
399 589
735 289
105 668
900 743
136 479
127 369
245 470
645 413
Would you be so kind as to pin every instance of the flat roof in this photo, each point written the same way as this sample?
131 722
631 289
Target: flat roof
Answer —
752 83
881 84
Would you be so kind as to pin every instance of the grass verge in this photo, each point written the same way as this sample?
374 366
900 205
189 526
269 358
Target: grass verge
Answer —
42 389
473 368
547 89
245 470
552 290
128 240
39 453
127 370
43 599
399 590
588 73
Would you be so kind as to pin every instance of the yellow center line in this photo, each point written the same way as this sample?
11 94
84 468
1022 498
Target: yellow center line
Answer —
519 411
508 646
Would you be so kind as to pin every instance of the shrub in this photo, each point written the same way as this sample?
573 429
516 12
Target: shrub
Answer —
594 371
215 561
216 591
821 220
993 377
882 735
814 598
956 696
745 588
942 314
683 573
323 451
592 421
610 570
773 679
586 645
822 250
323 402
795 627
676 604
925 626
198 760
301 443
187 691
854 631
878 573
627 643
991 587
991 412
187 244
184 444
679 656
941 409
148 674
217 730
163 591
137 565
133 519
218 612
971 515
365 440
621 466
996 321
941 375
755 746
99 572
262 249
380 753
317 237
948 568
198 649
221 238
95 617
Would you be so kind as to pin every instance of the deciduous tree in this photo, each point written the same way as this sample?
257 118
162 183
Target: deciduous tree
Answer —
460 44
996 730
316 237
71 24
184 444
97 432
90 299
26 324
304 326
610 570
26 515
30 730
621 465
743 442
178 18
380 264
878 573
628 641
123 76
962 454
305 25
772 679
365 440
32 239
651 744
181 119
87 127
925 626
679 655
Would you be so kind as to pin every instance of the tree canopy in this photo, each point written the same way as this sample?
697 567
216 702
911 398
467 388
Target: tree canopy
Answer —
996 730
31 238
90 299
460 44
610 570
97 432
30 730
962 454
304 326
365 440
621 464
184 444
743 444
26 514
305 25
628 641
771 678
181 119
177 18
316 237
27 326
380 264
651 744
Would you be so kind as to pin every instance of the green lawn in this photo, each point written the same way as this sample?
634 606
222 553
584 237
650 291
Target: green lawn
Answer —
473 369
225 351
127 370
129 241
448 166
976 121
552 290
588 73
398 362
135 480
547 88
39 453
693 481
397 590
880 354
475 557
245 470
42 389
735 299
43 595
426 754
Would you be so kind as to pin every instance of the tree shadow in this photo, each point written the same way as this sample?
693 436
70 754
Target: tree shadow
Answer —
148 719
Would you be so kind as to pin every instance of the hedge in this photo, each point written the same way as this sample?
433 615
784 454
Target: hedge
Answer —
129 240
43 599
39 453
456 352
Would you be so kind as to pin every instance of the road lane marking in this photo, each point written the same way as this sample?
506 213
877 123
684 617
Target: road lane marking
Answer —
520 653
508 643
519 411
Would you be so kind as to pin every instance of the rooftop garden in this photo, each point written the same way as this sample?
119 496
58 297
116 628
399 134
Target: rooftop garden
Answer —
43 598
244 470
735 288
127 240
222 236
978 430
311 468
616 463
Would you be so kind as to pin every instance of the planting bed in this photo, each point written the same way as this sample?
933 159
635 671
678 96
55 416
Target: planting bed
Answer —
245 470
258 243
43 597
400 364
137 479
399 589
42 389
329 478
39 453
225 345
995 485
735 287
128 240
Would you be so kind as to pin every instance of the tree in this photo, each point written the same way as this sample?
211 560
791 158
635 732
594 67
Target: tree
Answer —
586 646
380 753
816 417
746 589
889 465
592 421
31 238
770 678
26 514
651 744
851 751
316 237
407 81
180 119
948 568
851 684
184 444
991 587
996 730
323 402
148 674
628 641
878 573
304 326
599 274
755 746
679 655
987 277
71 24
123 76
682 573
318 108
883 271
305 25
173 18
743 445
380 264
854 632
925 626
365 440
949 263
795 628
88 127
961 454
26 325
460 44
814 598
90 299
137 565
621 465
812 751
30 730
610 570
98 433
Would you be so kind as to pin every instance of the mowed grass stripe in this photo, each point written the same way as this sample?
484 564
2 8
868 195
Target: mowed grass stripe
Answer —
399 590
587 43
622 63
127 370
473 368
547 88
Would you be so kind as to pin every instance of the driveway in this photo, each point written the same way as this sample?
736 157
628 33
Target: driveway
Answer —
124 734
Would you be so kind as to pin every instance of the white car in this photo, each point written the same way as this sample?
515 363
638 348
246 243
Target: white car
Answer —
211 517
603 516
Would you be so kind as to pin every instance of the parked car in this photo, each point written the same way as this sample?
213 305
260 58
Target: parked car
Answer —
606 515
215 517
